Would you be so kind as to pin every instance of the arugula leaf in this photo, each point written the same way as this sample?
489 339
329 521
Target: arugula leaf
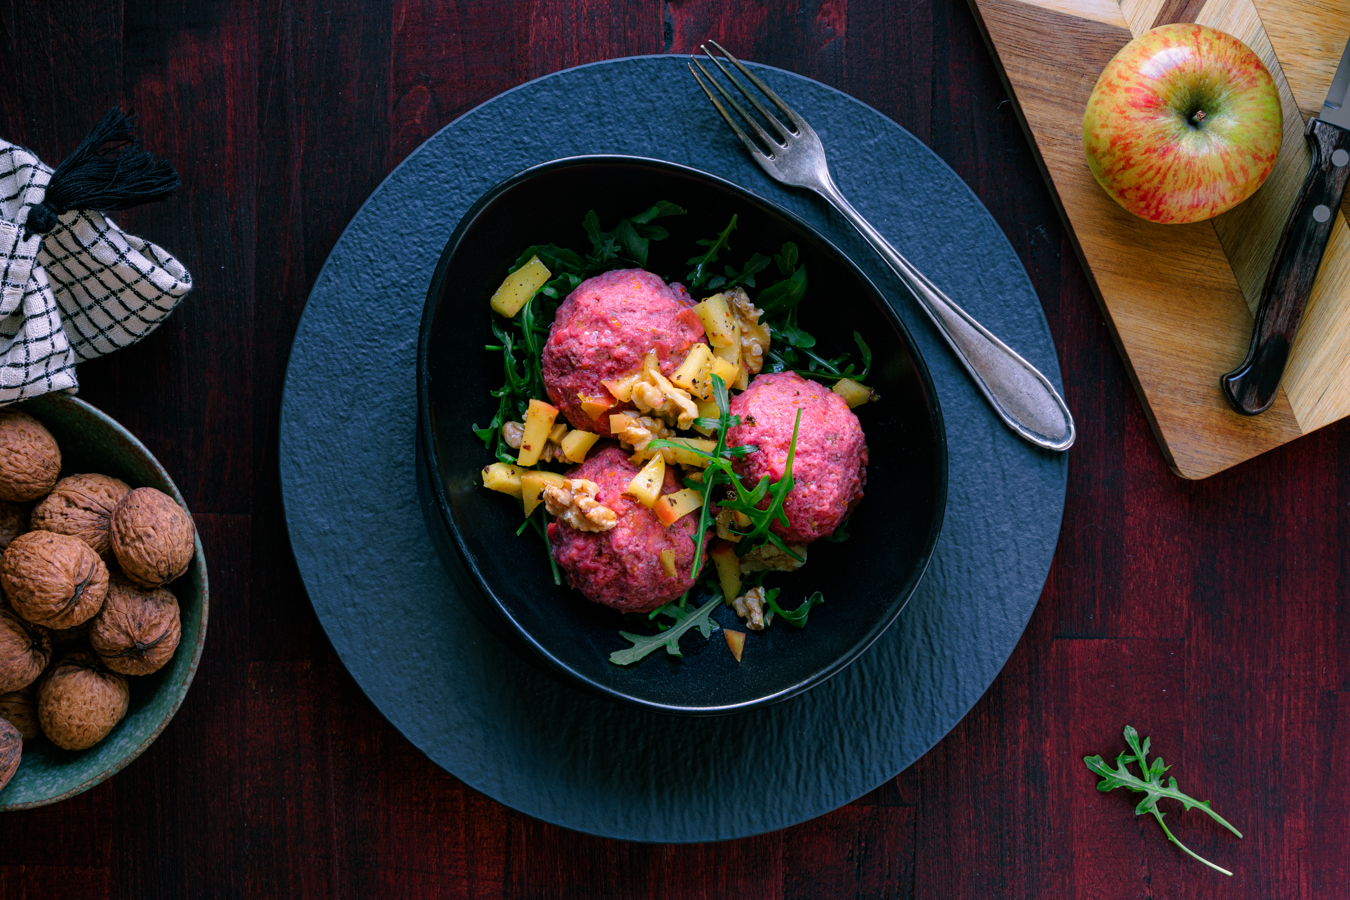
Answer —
796 616
1152 787
757 263
669 636
629 240
699 273
784 295
840 534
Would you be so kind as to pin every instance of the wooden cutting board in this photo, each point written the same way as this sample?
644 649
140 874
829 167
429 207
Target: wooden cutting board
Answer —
1180 298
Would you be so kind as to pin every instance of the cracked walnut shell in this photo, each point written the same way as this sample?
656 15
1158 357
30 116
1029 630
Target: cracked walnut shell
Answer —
81 506
152 537
137 630
19 708
30 461
11 751
53 579
79 701
25 651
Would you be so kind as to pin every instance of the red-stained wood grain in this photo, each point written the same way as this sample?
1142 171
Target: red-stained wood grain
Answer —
1213 616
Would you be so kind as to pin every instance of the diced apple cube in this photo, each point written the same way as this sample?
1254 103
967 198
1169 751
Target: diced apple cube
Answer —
622 388
646 484
692 375
683 451
854 394
728 372
596 406
538 421
735 642
675 506
668 562
577 444
619 421
731 354
555 434
519 287
532 486
707 409
718 322
728 569
502 477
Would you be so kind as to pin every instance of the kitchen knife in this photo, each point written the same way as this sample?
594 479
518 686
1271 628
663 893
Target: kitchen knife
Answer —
1251 387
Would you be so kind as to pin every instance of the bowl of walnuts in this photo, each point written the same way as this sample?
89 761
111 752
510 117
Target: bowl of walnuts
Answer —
103 599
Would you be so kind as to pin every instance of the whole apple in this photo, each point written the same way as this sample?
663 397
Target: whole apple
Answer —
1184 123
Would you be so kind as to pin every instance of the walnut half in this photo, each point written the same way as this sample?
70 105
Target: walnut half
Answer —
754 336
750 606
575 504
767 557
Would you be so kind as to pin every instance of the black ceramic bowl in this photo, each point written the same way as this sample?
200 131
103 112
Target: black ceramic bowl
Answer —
866 580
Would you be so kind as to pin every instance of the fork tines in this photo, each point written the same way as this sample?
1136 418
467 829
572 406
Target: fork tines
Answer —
769 142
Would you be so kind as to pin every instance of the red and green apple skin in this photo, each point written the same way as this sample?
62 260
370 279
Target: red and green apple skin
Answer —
1184 123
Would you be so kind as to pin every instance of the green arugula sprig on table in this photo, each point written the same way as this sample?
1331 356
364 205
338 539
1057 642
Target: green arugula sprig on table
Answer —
1151 785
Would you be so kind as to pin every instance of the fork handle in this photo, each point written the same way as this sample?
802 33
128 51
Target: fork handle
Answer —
1021 396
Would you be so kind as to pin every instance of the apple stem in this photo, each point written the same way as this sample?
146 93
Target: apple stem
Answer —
1198 117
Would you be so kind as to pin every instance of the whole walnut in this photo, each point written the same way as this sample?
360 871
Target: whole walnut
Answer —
81 506
53 579
152 537
25 651
30 461
19 708
13 521
11 751
137 630
79 701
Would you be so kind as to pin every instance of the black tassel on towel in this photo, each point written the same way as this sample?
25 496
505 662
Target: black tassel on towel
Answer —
108 171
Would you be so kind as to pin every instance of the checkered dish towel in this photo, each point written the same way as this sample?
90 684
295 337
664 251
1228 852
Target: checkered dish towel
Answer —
81 290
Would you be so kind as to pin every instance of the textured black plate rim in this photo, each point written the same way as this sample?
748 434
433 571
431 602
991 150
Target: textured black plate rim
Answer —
429 454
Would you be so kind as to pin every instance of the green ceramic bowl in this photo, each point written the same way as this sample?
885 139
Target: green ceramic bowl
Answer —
92 442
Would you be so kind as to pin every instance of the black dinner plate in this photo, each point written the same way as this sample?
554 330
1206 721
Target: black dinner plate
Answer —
865 580
392 606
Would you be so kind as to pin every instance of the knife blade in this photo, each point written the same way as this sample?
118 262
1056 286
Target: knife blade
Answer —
1253 385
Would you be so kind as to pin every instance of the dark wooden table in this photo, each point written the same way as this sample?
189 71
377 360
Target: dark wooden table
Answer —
1211 615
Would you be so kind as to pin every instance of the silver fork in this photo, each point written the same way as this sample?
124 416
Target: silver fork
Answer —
1019 394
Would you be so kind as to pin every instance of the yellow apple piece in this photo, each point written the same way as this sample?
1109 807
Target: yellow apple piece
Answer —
668 562
555 434
692 375
735 642
503 477
675 506
730 373
596 406
718 322
646 484
519 287
538 421
622 388
532 486
728 569
854 393
731 354
682 451
577 444
707 409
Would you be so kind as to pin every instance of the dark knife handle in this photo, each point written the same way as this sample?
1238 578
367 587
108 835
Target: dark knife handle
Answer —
1252 386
